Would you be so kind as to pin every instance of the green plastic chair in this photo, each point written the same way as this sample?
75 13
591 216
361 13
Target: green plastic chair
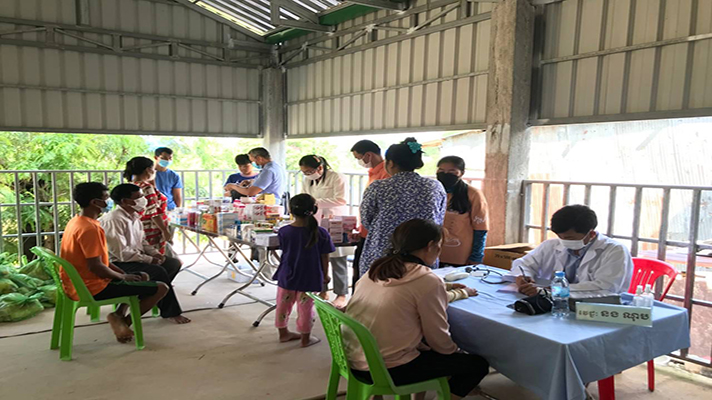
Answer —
332 320
66 308
94 312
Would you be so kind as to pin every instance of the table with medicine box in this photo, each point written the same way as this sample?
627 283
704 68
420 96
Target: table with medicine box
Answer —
247 225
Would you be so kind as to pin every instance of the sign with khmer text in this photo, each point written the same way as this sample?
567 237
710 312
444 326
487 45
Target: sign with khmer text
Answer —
616 314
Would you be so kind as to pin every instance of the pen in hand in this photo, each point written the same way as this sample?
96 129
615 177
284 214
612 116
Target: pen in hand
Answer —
524 275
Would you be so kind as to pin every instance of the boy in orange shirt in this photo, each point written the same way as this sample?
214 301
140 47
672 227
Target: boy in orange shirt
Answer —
84 246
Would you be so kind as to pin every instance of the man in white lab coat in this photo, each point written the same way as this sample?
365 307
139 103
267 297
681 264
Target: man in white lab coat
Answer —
591 261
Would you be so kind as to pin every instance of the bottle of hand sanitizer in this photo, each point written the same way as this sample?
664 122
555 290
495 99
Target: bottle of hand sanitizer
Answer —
648 296
638 298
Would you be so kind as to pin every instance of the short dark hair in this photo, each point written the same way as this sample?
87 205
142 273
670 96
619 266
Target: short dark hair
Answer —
406 155
242 159
259 152
578 217
365 146
123 191
85 192
162 150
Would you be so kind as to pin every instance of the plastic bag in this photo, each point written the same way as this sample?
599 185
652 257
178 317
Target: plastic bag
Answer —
6 270
7 286
26 281
49 295
17 307
36 269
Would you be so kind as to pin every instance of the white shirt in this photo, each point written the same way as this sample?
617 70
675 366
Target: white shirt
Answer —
125 237
606 266
330 195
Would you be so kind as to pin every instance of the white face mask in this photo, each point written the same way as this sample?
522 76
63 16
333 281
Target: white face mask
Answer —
140 205
316 175
364 164
574 244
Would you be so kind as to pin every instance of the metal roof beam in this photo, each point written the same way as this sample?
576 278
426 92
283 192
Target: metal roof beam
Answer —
382 4
310 26
241 12
298 9
191 5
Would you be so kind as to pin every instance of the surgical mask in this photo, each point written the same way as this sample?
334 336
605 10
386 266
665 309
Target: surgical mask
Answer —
573 244
448 180
164 163
140 204
108 207
313 177
364 164
257 167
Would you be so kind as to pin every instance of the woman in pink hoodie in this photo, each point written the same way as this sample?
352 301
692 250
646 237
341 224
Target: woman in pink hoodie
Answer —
404 304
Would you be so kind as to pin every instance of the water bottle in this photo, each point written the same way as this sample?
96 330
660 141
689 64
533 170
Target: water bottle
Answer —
638 300
648 296
560 295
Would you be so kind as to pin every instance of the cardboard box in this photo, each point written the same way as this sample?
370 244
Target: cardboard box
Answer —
503 255
267 239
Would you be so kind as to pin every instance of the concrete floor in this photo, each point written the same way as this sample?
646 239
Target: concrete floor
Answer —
221 356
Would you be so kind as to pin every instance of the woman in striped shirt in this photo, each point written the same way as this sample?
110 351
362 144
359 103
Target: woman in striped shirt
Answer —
141 172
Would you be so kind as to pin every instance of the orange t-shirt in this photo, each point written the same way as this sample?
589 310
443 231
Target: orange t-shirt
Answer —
457 247
376 173
83 239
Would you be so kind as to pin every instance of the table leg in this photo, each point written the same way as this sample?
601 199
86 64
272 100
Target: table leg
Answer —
264 314
606 389
223 269
257 274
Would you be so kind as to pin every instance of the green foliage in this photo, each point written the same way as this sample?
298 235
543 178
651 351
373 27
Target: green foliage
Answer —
296 149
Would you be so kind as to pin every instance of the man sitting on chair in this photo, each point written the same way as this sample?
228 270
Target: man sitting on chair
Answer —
129 250
592 262
84 246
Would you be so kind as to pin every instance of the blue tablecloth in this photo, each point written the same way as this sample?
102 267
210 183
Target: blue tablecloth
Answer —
553 357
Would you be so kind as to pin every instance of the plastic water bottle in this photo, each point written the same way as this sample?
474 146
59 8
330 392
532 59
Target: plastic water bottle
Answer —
638 300
560 295
648 296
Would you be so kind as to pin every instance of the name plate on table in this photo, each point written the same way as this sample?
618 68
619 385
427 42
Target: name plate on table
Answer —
617 314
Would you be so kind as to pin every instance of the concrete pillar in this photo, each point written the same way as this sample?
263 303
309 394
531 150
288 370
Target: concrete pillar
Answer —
508 97
273 100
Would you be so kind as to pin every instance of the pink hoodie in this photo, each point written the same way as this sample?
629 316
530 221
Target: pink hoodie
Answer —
400 313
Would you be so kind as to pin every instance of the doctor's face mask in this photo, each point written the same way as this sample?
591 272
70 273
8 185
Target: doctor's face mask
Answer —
570 241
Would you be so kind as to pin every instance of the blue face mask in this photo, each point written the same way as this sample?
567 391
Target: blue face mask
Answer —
164 163
109 206
257 167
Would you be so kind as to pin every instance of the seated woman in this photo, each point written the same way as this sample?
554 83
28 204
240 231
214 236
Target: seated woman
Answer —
403 303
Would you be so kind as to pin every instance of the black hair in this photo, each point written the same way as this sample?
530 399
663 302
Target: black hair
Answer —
578 217
84 193
304 206
162 150
460 201
242 159
407 155
136 166
314 161
260 152
408 237
123 191
365 146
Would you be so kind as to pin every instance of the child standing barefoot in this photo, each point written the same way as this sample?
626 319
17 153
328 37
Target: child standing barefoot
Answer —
304 268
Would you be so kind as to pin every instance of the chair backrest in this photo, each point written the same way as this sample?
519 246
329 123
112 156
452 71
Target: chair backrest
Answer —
54 263
647 271
332 320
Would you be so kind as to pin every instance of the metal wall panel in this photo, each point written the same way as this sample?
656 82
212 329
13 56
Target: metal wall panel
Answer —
391 80
66 91
606 60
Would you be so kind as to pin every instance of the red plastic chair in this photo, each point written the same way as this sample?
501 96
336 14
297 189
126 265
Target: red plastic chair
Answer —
645 271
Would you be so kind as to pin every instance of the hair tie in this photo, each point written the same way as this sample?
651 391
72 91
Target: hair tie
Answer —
414 147
317 159
308 213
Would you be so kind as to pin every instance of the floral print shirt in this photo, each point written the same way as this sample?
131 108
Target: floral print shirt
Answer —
390 202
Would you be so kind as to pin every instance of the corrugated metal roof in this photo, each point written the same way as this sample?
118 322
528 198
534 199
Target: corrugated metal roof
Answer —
255 14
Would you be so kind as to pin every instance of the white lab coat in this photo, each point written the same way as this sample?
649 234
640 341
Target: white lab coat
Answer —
606 267
330 195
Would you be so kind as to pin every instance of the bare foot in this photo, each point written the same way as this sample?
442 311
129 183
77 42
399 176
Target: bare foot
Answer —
340 302
123 333
286 336
309 340
324 296
180 319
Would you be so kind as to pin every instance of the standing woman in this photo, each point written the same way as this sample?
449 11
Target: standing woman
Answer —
466 218
404 196
329 189
141 172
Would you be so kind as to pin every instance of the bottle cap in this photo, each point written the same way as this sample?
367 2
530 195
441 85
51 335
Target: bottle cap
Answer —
648 287
559 274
